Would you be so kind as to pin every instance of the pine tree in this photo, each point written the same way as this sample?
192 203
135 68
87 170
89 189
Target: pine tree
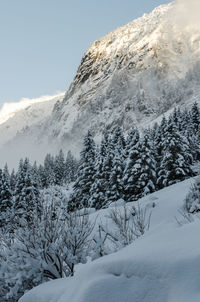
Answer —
107 151
186 122
140 172
35 173
132 153
118 141
85 179
6 173
26 195
114 165
12 180
146 167
49 170
158 140
176 158
71 165
115 191
100 186
177 118
5 197
42 177
190 131
59 168
193 141
195 114
131 141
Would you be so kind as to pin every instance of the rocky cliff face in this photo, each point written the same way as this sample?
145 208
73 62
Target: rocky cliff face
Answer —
129 77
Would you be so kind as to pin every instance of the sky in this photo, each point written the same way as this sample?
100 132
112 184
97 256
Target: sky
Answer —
42 41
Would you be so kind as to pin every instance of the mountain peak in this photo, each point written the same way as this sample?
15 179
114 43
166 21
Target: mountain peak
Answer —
155 40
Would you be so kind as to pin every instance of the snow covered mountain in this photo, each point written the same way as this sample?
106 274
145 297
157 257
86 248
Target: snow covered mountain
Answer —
16 119
160 266
129 77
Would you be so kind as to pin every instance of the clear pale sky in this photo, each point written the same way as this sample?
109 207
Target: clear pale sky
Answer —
42 41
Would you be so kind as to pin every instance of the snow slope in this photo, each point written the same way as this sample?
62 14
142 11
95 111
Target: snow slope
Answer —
161 266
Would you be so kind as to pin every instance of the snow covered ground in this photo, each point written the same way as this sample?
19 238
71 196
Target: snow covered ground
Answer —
161 266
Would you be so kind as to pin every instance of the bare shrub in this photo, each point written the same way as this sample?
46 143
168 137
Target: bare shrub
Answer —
129 224
184 217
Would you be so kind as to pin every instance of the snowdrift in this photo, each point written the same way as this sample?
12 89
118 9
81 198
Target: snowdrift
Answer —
161 266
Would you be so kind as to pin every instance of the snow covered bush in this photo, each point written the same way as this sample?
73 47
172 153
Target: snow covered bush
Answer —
49 249
192 201
57 195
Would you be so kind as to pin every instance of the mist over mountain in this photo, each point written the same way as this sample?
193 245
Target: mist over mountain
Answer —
131 76
20 124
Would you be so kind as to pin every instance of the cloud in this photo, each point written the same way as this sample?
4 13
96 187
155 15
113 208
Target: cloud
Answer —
186 13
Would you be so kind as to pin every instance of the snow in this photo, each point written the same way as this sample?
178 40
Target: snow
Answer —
163 265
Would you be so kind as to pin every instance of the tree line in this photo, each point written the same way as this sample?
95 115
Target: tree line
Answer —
132 167
118 168
20 191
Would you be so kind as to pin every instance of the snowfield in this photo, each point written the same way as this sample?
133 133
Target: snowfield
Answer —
161 266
